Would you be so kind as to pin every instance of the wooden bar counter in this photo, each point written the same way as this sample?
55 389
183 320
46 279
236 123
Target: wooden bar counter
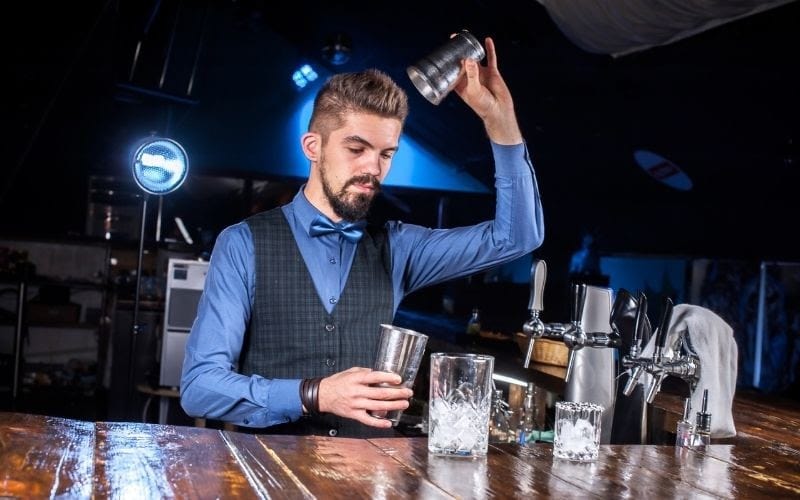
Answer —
48 457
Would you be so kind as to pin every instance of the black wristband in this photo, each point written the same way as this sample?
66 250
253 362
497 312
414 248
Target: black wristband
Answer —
309 394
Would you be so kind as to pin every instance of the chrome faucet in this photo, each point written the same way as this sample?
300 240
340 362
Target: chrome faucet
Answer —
575 337
535 328
680 362
572 334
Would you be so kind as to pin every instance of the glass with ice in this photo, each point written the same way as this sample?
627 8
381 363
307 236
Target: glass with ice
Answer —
577 432
460 402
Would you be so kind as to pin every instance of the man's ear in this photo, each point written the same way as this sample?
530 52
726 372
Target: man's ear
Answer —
311 143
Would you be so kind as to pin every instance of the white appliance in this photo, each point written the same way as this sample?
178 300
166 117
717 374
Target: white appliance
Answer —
185 280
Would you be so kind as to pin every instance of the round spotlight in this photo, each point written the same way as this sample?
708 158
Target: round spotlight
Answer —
160 165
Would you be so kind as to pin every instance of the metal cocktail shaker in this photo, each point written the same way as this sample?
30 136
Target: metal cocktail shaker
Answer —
436 74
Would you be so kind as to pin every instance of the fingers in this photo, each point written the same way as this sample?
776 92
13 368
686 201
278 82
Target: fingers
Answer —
376 417
491 54
471 85
388 393
353 392
371 421
368 376
380 377
473 71
481 84
370 409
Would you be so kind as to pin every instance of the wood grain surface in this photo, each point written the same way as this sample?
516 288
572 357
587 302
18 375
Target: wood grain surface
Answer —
46 457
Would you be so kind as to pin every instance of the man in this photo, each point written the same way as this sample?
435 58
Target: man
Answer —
294 296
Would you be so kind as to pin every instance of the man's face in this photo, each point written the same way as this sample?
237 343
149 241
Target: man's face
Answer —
354 161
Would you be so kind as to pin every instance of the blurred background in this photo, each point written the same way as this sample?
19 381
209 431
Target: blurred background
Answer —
663 137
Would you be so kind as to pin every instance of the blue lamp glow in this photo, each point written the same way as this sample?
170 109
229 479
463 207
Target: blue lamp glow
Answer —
160 165
304 75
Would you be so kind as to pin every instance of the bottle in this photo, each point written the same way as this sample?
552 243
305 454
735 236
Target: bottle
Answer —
474 323
527 418
685 429
702 430
499 427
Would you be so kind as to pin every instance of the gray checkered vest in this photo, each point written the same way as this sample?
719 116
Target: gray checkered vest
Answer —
291 335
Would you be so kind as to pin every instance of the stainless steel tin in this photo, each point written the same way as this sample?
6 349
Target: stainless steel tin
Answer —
437 74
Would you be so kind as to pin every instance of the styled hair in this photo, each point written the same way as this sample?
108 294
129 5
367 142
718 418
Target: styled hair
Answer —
370 91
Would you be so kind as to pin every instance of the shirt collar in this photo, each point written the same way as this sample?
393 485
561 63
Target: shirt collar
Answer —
304 211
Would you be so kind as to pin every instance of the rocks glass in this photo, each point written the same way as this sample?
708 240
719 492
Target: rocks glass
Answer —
577 432
460 402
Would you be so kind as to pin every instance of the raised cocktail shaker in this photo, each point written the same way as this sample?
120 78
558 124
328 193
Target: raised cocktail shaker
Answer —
436 74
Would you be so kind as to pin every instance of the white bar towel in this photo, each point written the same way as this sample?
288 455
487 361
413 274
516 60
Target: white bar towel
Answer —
711 339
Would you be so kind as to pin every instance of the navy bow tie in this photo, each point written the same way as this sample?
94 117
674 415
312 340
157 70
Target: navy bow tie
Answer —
351 231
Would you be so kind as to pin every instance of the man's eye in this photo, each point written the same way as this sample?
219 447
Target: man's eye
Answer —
387 156
356 151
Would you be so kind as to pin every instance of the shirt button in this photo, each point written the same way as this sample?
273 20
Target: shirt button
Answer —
332 300
330 362
332 261
333 432
329 327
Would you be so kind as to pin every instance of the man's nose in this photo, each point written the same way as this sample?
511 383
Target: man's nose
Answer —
373 166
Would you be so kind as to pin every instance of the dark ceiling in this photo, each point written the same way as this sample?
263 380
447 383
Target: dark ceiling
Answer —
721 104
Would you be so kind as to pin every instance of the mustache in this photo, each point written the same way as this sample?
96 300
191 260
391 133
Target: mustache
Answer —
364 179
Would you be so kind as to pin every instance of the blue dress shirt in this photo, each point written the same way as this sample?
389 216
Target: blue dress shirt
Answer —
210 385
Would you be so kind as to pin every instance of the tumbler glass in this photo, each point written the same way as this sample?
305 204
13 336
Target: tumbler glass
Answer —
577 432
460 403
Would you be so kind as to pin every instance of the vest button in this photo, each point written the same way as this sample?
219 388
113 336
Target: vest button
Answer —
330 362
332 300
333 432
329 327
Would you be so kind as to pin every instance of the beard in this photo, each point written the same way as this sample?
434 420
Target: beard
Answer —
349 206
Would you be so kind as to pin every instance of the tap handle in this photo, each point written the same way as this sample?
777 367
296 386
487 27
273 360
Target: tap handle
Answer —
663 326
578 301
641 319
538 277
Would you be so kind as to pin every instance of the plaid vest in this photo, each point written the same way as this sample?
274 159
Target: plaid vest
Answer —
291 335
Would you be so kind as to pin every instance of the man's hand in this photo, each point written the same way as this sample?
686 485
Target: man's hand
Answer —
485 91
354 392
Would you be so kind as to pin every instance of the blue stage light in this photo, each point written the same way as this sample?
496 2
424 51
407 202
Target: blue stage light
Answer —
304 75
160 165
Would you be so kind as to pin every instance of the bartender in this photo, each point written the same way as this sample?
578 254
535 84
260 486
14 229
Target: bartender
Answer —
289 317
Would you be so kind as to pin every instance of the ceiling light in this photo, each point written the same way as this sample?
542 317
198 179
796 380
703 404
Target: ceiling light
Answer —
337 49
304 75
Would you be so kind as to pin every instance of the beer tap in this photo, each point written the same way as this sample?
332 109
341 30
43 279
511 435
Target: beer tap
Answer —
636 345
656 366
572 333
685 365
575 337
535 328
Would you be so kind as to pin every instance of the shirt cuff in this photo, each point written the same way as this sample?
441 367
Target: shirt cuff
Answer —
511 160
284 400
